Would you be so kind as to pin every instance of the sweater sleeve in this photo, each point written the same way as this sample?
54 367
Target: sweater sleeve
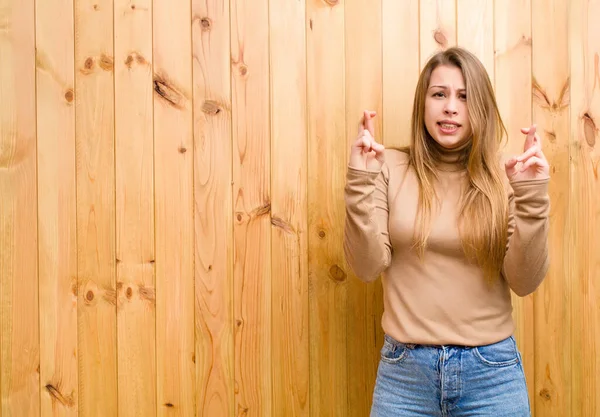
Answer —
367 244
526 262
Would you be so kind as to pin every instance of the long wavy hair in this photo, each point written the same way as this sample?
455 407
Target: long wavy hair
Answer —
484 205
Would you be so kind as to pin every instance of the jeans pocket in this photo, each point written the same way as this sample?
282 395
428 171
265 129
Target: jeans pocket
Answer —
393 352
503 353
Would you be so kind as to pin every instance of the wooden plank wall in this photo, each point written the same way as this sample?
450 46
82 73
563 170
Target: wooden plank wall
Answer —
171 197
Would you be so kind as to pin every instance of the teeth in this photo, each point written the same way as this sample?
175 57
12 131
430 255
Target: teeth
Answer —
448 126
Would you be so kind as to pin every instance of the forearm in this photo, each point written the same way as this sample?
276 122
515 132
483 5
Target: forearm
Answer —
366 240
526 262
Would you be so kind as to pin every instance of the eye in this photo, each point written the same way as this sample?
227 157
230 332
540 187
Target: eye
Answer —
438 94
462 96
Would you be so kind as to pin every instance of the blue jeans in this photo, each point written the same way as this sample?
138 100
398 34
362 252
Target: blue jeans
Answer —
455 381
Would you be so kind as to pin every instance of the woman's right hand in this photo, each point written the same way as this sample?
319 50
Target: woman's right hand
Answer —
365 153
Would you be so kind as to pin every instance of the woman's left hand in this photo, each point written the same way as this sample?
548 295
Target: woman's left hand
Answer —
532 163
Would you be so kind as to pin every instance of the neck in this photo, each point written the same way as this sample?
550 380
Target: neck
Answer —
454 159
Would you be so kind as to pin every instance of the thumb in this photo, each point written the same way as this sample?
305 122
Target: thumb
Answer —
510 167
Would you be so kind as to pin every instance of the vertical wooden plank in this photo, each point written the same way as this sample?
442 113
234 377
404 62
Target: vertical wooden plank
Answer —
97 339
252 205
213 208
174 208
475 29
584 219
19 322
327 163
438 27
552 301
365 301
512 22
57 209
134 147
289 208
400 20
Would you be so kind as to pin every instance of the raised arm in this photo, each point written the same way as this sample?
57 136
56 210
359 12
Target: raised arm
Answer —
366 239
526 262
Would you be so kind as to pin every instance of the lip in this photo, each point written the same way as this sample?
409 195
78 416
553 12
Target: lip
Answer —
449 122
448 130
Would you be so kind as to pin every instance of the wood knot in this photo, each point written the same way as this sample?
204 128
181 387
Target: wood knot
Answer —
545 394
182 149
170 94
106 62
205 23
243 70
337 273
129 61
89 63
96 7
211 107
169 405
133 7
89 296
321 234
69 96
589 129
129 292
440 38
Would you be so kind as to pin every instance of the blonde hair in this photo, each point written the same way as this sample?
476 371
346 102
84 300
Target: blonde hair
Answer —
483 220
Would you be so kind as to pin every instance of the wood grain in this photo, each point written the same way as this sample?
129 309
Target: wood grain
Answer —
57 211
289 258
475 29
512 34
584 213
174 208
327 160
94 107
400 21
437 20
19 310
365 301
213 208
252 208
134 161
552 301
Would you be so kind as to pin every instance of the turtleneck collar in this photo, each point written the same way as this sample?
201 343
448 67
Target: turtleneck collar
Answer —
451 160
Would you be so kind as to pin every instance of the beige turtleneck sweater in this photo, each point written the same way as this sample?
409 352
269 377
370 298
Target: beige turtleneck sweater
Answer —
443 299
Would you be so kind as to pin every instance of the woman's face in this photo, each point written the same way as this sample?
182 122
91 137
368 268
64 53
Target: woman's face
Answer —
446 112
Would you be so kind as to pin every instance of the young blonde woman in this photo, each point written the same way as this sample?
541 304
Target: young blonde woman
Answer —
452 228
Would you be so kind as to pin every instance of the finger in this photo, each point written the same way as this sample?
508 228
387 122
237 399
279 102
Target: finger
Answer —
368 121
532 138
379 152
362 142
510 165
533 151
365 144
362 124
534 160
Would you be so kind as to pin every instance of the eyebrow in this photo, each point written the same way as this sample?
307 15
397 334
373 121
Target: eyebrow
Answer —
445 87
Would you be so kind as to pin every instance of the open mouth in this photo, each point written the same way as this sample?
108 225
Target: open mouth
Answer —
448 127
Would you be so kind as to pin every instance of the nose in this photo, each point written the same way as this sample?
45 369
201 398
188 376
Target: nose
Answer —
451 107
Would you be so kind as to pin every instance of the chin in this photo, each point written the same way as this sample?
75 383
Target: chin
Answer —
450 142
